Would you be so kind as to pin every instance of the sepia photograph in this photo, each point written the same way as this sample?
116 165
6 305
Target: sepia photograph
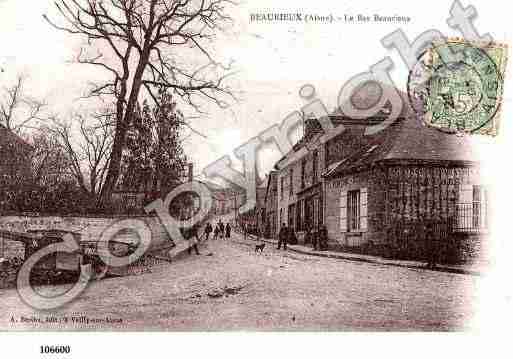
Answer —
199 166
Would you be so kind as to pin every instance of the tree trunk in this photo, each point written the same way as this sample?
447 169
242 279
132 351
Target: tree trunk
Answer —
121 129
114 166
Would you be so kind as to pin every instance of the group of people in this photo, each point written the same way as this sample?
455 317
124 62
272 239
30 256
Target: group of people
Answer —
318 240
221 230
191 234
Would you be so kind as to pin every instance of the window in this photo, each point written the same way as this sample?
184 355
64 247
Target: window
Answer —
281 217
476 206
303 165
314 166
472 208
308 214
131 201
315 203
321 211
353 210
326 154
291 188
291 216
281 183
299 209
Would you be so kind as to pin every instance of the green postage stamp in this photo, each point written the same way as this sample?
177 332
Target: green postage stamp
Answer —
466 85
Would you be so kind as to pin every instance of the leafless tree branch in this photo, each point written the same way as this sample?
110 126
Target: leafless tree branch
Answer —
17 110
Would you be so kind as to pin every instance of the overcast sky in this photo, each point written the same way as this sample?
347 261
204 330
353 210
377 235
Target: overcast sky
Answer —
273 60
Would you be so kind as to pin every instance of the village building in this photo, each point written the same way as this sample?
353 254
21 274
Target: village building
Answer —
254 220
270 223
407 176
382 193
260 204
223 198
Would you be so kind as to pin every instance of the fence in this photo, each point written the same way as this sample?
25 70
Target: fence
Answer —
447 240
471 217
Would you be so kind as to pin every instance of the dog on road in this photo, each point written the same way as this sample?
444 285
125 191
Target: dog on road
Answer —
259 247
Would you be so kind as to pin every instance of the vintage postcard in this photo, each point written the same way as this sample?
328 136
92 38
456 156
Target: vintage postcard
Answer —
258 166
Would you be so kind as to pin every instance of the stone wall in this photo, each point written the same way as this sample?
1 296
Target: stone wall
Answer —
90 229
404 193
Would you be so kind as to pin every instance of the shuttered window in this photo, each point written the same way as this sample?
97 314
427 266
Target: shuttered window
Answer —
291 217
343 211
303 165
299 220
314 166
291 189
363 209
353 210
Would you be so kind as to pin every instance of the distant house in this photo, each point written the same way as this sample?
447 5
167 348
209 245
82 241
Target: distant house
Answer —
15 169
254 219
260 208
271 205
225 200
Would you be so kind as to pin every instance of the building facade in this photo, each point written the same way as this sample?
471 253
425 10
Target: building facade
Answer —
385 192
271 205
409 177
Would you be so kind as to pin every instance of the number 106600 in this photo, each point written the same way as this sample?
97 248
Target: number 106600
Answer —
55 349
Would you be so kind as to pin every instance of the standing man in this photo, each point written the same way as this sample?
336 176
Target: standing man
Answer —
221 228
194 239
323 238
282 236
216 231
208 230
228 230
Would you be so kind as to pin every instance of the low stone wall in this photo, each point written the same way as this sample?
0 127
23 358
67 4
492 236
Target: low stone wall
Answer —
90 228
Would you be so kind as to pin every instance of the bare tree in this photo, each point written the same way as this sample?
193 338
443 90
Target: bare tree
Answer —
88 152
140 44
17 110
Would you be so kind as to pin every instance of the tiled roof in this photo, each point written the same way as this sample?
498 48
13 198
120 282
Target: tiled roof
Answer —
408 139
364 97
